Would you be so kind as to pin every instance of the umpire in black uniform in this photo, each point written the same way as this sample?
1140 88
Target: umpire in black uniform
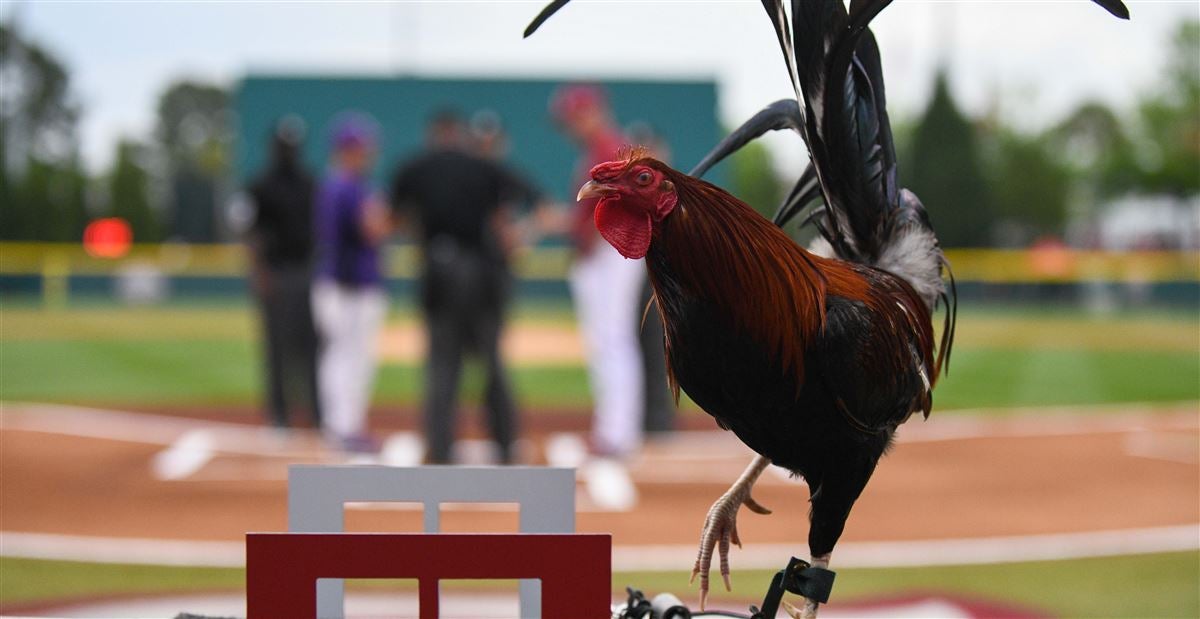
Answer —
461 205
281 243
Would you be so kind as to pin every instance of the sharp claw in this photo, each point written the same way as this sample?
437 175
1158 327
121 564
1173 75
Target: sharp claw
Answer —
720 528
792 611
755 506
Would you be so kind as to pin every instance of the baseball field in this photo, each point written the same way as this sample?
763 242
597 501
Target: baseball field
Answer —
1059 473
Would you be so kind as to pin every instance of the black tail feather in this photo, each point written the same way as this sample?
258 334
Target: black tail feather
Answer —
806 190
778 17
950 324
847 143
541 18
1116 7
782 114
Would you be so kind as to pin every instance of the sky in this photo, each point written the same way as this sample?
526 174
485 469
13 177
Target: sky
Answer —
1032 61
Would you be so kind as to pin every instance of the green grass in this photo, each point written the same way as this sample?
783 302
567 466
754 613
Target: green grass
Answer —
989 377
114 372
30 580
540 386
1158 585
217 372
209 356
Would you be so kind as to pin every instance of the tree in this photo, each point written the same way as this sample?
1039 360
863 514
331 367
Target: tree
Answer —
753 179
52 197
193 126
1097 149
128 193
1029 185
944 169
1170 121
193 132
37 115
41 179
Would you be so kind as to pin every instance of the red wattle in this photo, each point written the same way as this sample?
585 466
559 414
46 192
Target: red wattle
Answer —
626 229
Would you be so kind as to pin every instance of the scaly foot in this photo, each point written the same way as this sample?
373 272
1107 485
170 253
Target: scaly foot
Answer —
720 527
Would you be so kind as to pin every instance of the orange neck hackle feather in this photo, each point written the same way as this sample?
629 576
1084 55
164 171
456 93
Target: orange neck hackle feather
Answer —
721 249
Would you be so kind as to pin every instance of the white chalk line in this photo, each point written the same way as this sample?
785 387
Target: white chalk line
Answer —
1163 446
192 445
673 557
245 439
148 428
192 553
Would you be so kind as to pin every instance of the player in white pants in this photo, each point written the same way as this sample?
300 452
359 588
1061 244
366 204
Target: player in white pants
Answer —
607 288
348 319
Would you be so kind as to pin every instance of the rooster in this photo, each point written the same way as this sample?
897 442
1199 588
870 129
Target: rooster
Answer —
812 357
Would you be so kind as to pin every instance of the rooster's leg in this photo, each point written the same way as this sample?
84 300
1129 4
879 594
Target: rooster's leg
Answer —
720 527
810 607
831 503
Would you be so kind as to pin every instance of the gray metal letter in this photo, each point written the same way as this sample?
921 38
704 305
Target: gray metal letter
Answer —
317 497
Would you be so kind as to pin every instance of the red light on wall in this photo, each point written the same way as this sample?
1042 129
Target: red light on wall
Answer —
110 237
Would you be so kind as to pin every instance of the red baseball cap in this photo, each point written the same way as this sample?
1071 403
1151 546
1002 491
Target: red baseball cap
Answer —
571 99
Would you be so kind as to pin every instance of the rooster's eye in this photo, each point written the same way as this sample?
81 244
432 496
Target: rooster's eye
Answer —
644 178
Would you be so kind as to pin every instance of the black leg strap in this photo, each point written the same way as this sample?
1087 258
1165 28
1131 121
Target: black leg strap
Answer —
814 583
799 577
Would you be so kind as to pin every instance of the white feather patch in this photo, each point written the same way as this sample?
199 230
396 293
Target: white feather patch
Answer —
913 254
821 247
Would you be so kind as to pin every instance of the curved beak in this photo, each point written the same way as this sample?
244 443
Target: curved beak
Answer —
593 189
